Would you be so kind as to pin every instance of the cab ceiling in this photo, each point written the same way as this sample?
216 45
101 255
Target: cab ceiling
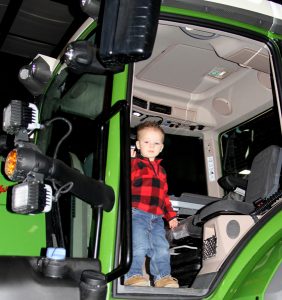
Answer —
204 77
181 62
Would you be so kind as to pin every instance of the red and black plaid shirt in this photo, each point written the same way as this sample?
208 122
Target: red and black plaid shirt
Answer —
149 187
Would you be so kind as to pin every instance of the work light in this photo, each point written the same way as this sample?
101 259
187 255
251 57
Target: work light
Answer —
81 57
35 75
90 7
28 165
19 114
31 197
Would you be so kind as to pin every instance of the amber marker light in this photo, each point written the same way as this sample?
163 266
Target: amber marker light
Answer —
28 165
11 164
31 196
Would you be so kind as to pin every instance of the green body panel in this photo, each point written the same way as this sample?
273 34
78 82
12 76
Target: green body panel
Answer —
20 235
210 17
249 275
108 234
259 278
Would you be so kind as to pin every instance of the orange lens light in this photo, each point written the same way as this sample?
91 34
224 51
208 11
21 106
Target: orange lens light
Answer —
11 163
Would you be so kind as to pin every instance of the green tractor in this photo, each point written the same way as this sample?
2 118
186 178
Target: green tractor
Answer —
209 72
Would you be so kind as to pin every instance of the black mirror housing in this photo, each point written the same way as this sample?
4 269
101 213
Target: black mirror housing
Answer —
128 30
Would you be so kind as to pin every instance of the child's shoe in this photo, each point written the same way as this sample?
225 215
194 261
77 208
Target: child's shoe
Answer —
137 280
167 281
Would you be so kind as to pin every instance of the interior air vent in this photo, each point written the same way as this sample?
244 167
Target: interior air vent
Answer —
160 108
140 102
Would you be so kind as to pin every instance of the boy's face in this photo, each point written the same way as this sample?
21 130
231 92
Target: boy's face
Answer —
150 143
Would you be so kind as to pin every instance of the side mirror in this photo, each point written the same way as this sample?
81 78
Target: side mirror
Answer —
128 30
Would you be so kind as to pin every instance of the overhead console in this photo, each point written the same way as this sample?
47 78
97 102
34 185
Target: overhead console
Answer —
171 118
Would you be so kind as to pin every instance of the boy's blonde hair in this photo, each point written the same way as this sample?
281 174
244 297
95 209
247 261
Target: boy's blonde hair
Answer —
149 124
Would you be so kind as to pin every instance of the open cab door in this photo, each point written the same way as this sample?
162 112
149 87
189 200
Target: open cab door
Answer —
213 83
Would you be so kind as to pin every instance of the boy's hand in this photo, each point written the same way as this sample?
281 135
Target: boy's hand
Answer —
173 223
132 152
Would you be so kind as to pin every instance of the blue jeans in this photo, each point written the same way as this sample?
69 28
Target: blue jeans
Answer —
149 239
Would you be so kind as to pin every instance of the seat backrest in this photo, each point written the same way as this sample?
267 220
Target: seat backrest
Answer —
263 182
264 178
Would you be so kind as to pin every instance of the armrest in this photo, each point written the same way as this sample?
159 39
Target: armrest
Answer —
189 204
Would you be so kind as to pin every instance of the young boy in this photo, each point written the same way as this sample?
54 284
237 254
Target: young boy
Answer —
150 203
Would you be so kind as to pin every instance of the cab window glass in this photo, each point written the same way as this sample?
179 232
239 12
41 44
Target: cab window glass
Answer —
242 143
71 106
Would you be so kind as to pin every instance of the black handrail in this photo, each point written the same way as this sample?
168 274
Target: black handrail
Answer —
121 107
97 212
